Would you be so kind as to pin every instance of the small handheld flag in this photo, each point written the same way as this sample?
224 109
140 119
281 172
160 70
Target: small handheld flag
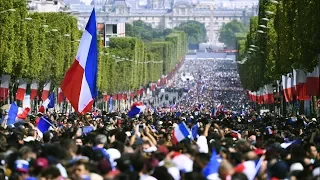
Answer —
181 132
211 170
44 125
136 108
16 113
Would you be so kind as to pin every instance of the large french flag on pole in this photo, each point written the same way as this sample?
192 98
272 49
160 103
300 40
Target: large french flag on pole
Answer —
79 84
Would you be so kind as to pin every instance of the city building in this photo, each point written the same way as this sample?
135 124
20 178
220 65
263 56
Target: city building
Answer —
45 5
110 29
164 14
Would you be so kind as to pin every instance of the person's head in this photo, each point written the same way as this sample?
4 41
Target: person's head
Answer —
32 132
146 145
239 176
226 169
162 173
70 146
22 168
78 141
51 173
81 169
100 139
311 150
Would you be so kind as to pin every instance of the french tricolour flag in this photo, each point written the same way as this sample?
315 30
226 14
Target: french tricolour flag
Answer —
79 84
299 82
16 113
44 125
48 103
313 87
181 131
4 87
60 96
46 91
34 89
288 88
21 90
136 108
250 168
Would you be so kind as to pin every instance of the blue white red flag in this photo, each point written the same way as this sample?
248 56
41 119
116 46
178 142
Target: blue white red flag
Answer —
181 132
44 125
48 103
16 113
136 109
250 168
80 82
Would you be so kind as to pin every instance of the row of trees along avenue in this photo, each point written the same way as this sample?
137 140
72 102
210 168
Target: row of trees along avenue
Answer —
283 37
42 46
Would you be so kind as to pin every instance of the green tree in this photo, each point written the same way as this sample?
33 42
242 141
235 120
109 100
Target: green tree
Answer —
195 31
144 31
141 30
228 32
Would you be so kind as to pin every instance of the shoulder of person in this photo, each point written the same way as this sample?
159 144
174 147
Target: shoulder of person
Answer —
95 176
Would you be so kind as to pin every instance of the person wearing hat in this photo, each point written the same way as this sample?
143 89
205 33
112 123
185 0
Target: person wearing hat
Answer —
21 169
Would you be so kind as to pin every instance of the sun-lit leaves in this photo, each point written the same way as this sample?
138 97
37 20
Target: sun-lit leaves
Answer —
290 39
129 63
30 48
43 46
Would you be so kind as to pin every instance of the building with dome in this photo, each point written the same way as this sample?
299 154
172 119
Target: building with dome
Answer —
164 14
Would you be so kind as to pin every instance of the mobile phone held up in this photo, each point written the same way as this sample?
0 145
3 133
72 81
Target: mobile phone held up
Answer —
141 127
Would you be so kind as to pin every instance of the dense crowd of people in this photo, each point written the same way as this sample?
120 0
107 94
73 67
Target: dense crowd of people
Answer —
190 142
215 82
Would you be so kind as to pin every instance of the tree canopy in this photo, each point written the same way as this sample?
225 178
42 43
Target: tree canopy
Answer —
229 30
130 63
40 48
283 37
144 31
195 31
44 47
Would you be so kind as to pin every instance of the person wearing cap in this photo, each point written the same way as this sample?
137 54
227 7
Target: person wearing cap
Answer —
21 170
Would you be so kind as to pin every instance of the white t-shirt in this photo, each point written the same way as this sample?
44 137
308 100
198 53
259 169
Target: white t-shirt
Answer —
147 177
203 144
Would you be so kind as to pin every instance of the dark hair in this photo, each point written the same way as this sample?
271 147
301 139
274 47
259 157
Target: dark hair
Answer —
194 175
50 173
239 176
162 173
